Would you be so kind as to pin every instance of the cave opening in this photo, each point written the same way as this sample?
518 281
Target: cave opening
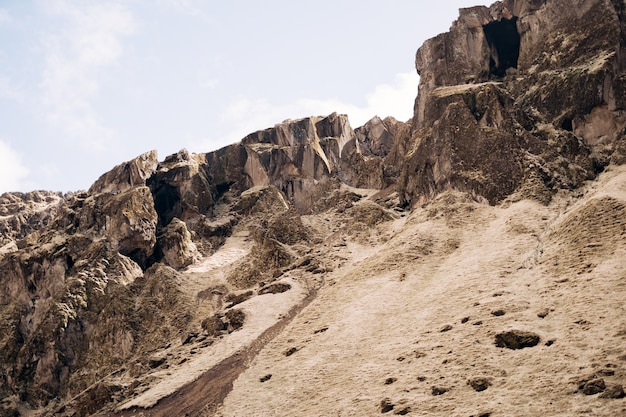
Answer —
504 43
167 201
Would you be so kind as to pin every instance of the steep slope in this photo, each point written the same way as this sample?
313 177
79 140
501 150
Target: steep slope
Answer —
468 262
410 326
94 289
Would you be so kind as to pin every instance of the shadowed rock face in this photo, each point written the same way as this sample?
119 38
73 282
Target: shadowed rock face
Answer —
301 157
501 94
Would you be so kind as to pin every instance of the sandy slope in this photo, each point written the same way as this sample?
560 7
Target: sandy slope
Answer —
262 312
401 320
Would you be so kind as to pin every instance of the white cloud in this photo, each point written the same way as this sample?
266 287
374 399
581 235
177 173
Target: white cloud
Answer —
12 171
88 40
192 8
209 83
5 17
7 90
244 115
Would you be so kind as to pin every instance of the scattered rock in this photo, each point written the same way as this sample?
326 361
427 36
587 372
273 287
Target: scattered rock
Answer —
498 313
419 354
390 381
517 339
276 288
614 391
446 328
188 337
607 371
213 325
235 319
403 411
464 320
386 406
155 362
435 390
234 299
542 314
593 386
480 383
265 378
291 351
322 330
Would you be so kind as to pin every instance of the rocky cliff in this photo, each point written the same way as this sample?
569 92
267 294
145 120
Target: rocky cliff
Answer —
188 285
519 96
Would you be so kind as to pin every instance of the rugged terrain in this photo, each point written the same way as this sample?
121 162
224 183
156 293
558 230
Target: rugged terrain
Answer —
467 262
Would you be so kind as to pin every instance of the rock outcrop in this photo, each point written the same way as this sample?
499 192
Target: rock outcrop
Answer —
24 213
518 96
176 247
127 175
72 265
303 157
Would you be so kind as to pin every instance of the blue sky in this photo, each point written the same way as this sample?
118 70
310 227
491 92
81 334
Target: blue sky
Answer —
88 84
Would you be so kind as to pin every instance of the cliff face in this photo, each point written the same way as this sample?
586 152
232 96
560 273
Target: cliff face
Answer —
73 267
112 299
519 96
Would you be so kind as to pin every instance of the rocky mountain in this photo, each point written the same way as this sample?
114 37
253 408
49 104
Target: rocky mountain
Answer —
467 262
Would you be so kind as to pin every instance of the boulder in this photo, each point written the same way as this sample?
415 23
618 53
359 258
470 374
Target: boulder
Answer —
175 245
613 391
517 339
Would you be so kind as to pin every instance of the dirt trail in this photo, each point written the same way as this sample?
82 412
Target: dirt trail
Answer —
204 395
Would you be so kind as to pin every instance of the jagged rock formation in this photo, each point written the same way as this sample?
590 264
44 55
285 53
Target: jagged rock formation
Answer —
521 95
303 156
24 213
113 301
67 271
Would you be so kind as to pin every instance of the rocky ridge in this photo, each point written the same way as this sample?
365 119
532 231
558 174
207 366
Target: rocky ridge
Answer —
249 268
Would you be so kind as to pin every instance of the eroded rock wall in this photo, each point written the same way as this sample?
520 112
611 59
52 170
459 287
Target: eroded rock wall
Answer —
302 157
518 96
89 280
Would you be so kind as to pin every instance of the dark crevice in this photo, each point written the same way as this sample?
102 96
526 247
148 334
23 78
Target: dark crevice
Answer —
139 256
504 43
167 201
69 262
221 189
566 124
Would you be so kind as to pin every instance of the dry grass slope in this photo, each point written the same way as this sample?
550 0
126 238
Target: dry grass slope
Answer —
411 326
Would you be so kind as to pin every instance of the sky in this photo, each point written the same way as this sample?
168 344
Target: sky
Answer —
88 84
